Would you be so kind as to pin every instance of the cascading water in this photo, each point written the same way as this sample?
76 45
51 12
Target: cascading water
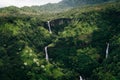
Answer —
48 22
46 54
81 78
107 50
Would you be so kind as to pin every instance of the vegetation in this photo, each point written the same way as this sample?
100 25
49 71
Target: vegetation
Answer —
75 48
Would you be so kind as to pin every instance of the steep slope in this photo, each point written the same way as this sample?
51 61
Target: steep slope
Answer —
76 47
75 3
52 7
81 47
66 5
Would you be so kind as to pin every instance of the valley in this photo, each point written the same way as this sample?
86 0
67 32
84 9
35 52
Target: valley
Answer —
79 43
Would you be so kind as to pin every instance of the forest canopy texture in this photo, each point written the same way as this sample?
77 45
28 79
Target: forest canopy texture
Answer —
84 42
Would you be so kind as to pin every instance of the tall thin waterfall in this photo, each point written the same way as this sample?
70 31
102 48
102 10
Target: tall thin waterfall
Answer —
107 50
81 78
46 54
48 22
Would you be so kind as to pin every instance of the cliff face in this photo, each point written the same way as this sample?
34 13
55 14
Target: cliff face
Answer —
58 25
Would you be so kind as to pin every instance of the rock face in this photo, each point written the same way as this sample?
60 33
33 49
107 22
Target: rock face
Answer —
60 21
58 24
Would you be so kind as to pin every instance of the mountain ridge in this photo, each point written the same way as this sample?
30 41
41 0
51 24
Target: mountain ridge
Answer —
63 5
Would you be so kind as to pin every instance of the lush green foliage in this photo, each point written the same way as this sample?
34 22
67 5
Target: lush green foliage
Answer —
75 48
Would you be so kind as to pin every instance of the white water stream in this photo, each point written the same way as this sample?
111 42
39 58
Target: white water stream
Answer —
48 22
81 78
46 54
107 50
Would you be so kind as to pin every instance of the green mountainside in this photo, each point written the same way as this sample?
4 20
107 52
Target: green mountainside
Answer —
77 47
63 5
66 5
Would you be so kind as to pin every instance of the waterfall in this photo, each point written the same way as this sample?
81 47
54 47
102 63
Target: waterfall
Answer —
81 78
107 50
46 54
48 22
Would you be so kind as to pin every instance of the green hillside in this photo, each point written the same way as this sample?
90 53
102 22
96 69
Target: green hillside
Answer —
76 47
63 5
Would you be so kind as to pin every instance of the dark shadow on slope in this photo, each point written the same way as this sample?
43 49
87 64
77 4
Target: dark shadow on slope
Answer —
57 25
11 67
